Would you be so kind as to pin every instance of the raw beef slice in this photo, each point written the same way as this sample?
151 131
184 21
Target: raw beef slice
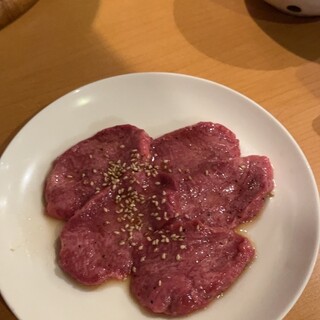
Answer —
91 165
187 272
186 147
97 241
225 193
90 243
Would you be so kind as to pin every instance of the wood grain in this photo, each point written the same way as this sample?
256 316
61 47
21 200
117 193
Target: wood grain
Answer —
270 57
12 9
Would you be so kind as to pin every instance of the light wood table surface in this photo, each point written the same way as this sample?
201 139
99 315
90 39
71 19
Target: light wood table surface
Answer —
272 58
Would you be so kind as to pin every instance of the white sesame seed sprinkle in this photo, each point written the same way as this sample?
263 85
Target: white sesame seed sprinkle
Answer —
163 256
178 257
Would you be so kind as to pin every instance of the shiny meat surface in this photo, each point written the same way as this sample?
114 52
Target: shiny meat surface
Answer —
90 166
186 273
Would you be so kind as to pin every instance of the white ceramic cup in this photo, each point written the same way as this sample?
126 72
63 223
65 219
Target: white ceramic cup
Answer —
297 7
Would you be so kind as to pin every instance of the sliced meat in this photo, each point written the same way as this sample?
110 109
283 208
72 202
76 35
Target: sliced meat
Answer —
225 193
183 148
187 272
96 243
163 211
91 165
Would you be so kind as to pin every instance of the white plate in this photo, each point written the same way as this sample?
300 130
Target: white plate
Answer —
286 236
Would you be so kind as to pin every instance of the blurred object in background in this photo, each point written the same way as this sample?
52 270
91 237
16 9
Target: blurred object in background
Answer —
297 7
10 10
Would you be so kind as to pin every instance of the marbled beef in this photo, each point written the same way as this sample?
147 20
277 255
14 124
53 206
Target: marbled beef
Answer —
91 165
187 272
190 145
162 210
98 240
224 193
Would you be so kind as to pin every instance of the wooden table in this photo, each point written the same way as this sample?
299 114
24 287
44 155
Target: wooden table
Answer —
274 59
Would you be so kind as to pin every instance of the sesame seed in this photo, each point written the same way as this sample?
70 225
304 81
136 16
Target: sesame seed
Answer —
180 229
121 243
164 193
157 183
116 232
140 247
189 177
90 156
134 269
178 257
83 175
156 249
107 222
163 200
159 283
166 161
142 259
163 256
94 170
158 218
183 246
122 146
198 227
207 173
105 209
154 242
149 239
